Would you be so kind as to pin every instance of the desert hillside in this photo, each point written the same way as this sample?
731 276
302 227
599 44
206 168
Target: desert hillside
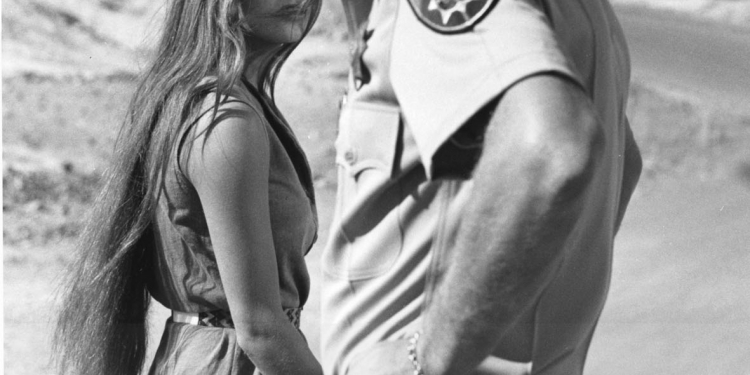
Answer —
731 12
88 37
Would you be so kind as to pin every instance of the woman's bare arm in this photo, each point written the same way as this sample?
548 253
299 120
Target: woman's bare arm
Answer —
229 167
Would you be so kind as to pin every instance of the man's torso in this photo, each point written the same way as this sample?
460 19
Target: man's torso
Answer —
399 202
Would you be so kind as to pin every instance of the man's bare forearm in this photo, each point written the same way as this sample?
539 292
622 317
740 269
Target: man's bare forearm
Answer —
540 154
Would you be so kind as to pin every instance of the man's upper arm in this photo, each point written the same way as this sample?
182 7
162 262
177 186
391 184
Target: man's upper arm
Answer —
546 121
442 82
540 155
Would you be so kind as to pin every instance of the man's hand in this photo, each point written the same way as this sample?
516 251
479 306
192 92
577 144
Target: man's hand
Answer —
391 358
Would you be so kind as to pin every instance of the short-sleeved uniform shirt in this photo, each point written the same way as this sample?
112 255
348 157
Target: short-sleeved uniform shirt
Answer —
409 133
184 273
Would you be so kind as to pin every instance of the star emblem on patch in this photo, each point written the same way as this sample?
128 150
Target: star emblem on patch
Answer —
451 16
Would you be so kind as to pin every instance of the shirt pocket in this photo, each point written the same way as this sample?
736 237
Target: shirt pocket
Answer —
367 138
368 240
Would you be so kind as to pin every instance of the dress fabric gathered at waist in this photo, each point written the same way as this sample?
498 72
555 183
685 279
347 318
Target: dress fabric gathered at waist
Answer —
205 343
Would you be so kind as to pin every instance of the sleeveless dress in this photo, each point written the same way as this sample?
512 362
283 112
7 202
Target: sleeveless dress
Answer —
183 271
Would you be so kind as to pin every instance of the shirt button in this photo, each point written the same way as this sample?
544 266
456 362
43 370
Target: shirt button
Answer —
350 156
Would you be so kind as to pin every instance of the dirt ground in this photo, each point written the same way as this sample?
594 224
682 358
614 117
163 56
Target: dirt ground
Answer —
678 302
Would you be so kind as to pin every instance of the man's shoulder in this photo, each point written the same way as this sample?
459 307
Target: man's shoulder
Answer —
451 16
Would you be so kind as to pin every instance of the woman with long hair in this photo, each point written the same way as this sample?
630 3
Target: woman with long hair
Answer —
209 208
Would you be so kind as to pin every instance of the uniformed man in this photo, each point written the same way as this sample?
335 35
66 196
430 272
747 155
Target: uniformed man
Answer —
485 164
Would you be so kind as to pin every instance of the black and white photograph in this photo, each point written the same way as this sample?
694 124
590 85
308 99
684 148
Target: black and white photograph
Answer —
376 187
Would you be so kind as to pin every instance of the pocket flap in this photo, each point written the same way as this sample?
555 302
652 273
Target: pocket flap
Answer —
367 137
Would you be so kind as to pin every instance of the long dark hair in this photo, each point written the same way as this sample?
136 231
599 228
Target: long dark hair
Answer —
101 325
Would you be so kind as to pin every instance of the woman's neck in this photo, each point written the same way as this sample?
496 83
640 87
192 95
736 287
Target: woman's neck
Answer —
260 54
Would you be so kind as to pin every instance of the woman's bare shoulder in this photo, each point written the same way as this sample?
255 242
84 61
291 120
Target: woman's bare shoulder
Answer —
232 131
236 101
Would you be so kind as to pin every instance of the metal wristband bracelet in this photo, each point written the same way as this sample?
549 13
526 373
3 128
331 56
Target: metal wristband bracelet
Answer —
412 349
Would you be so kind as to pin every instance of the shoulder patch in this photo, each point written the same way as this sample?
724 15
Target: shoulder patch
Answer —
451 16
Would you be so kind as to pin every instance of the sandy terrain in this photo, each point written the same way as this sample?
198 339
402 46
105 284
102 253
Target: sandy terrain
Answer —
678 302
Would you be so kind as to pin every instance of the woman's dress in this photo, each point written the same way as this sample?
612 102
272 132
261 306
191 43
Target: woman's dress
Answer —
183 271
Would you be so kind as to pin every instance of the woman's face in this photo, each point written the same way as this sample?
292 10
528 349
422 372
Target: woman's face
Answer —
279 21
